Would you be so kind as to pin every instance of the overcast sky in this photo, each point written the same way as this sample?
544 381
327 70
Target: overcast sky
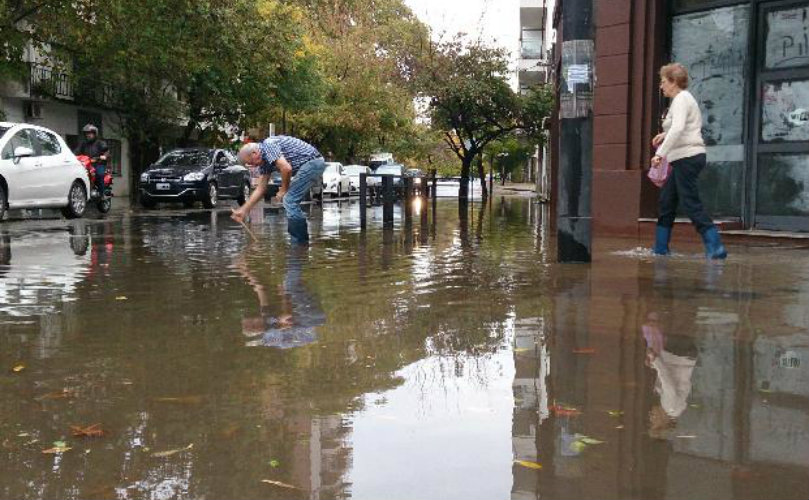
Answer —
496 21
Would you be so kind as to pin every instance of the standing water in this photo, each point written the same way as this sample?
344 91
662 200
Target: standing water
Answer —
169 355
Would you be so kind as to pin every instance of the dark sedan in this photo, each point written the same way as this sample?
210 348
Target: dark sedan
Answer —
195 174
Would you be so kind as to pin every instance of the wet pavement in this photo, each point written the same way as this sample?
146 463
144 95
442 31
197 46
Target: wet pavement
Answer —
448 358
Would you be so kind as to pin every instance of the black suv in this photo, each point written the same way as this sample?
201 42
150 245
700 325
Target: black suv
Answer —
195 174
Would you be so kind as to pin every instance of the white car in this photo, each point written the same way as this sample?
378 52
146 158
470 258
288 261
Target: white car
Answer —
335 180
38 170
354 172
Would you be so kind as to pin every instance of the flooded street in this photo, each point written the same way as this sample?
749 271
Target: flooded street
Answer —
166 354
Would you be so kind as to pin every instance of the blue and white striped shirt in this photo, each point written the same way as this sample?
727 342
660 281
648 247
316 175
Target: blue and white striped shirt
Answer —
295 151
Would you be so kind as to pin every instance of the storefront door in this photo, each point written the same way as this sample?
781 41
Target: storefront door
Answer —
749 66
781 157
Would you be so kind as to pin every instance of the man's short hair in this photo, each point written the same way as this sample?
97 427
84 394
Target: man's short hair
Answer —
247 150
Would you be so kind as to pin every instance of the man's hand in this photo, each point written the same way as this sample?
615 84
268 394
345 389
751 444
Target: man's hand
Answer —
238 215
279 196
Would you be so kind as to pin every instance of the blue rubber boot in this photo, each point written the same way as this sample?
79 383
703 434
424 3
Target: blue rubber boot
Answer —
714 249
298 230
662 238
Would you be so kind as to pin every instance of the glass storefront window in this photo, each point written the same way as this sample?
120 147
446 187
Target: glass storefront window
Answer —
787 38
713 46
783 185
785 111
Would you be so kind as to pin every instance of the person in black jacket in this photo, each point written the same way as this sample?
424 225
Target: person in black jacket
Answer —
97 150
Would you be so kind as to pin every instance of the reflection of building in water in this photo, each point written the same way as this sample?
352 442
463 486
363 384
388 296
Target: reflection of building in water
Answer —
323 459
531 363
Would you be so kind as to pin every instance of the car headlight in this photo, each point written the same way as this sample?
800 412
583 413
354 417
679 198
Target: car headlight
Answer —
194 176
144 177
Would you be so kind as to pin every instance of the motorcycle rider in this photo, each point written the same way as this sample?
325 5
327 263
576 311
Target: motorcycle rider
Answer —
97 150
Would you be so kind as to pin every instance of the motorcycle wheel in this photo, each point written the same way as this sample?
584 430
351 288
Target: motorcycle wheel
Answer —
104 204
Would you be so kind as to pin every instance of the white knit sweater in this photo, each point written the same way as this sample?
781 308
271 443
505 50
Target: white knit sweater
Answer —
683 129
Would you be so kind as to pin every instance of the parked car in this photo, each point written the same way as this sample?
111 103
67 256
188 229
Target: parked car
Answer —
195 174
393 169
416 174
379 159
38 170
315 192
354 172
335 180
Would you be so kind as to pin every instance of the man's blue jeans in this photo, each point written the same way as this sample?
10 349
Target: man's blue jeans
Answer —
309 173
101 169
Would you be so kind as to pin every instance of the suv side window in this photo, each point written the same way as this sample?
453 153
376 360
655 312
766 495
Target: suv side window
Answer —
19 139
45 143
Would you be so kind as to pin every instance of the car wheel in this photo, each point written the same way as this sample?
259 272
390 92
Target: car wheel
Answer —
3 202
76 201
79 243
244 195
212 199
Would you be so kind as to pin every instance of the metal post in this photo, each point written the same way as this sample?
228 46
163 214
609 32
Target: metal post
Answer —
408 198
363 200
387 201
574 239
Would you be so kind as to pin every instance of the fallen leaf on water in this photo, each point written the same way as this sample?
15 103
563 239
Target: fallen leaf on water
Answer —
529 464
584 350
615 413
280 484
274 463
577 446
168 453
89 431
18 368
619 426
63 394
686 436
565 411
589 441
58 447
121 297
186 400
23 435
523 349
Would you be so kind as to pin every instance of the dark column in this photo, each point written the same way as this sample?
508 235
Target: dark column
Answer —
576 132
387 201
363 200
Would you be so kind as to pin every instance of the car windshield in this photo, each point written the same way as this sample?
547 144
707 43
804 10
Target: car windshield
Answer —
378 163
354 169
185 158
389 169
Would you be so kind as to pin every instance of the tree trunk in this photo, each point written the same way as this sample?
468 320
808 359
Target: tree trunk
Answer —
466 168
482 175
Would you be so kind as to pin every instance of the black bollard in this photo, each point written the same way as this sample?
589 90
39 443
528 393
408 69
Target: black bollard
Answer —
408 198
387 201
363 200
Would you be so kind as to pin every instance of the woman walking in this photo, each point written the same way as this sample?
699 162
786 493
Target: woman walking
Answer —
682 145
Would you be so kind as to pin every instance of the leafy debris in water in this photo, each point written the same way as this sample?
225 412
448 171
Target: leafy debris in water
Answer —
184 400
94 430
58 447
528 464
584 350
18 368
561 410
168 453
280 484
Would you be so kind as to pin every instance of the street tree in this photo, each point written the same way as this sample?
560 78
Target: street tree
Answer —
470 99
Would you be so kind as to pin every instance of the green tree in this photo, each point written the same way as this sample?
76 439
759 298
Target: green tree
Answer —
470 99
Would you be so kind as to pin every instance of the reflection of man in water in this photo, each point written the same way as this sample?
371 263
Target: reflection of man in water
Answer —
290 322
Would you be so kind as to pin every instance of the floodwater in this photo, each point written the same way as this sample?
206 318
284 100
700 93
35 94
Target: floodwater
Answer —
449 358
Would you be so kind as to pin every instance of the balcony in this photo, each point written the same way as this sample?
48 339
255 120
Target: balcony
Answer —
47 82
531 49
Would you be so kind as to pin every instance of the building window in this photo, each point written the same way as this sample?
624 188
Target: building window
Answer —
713 46
531 43
787 38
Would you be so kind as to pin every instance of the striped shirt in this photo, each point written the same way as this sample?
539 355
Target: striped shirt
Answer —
294 151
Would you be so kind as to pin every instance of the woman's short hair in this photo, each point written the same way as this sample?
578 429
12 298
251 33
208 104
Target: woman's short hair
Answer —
675 72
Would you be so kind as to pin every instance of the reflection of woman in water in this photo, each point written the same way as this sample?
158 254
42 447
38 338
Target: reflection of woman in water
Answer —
299 315
673 358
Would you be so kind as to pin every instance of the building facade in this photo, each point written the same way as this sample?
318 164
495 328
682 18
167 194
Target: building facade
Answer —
49 97
533 68
749 66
